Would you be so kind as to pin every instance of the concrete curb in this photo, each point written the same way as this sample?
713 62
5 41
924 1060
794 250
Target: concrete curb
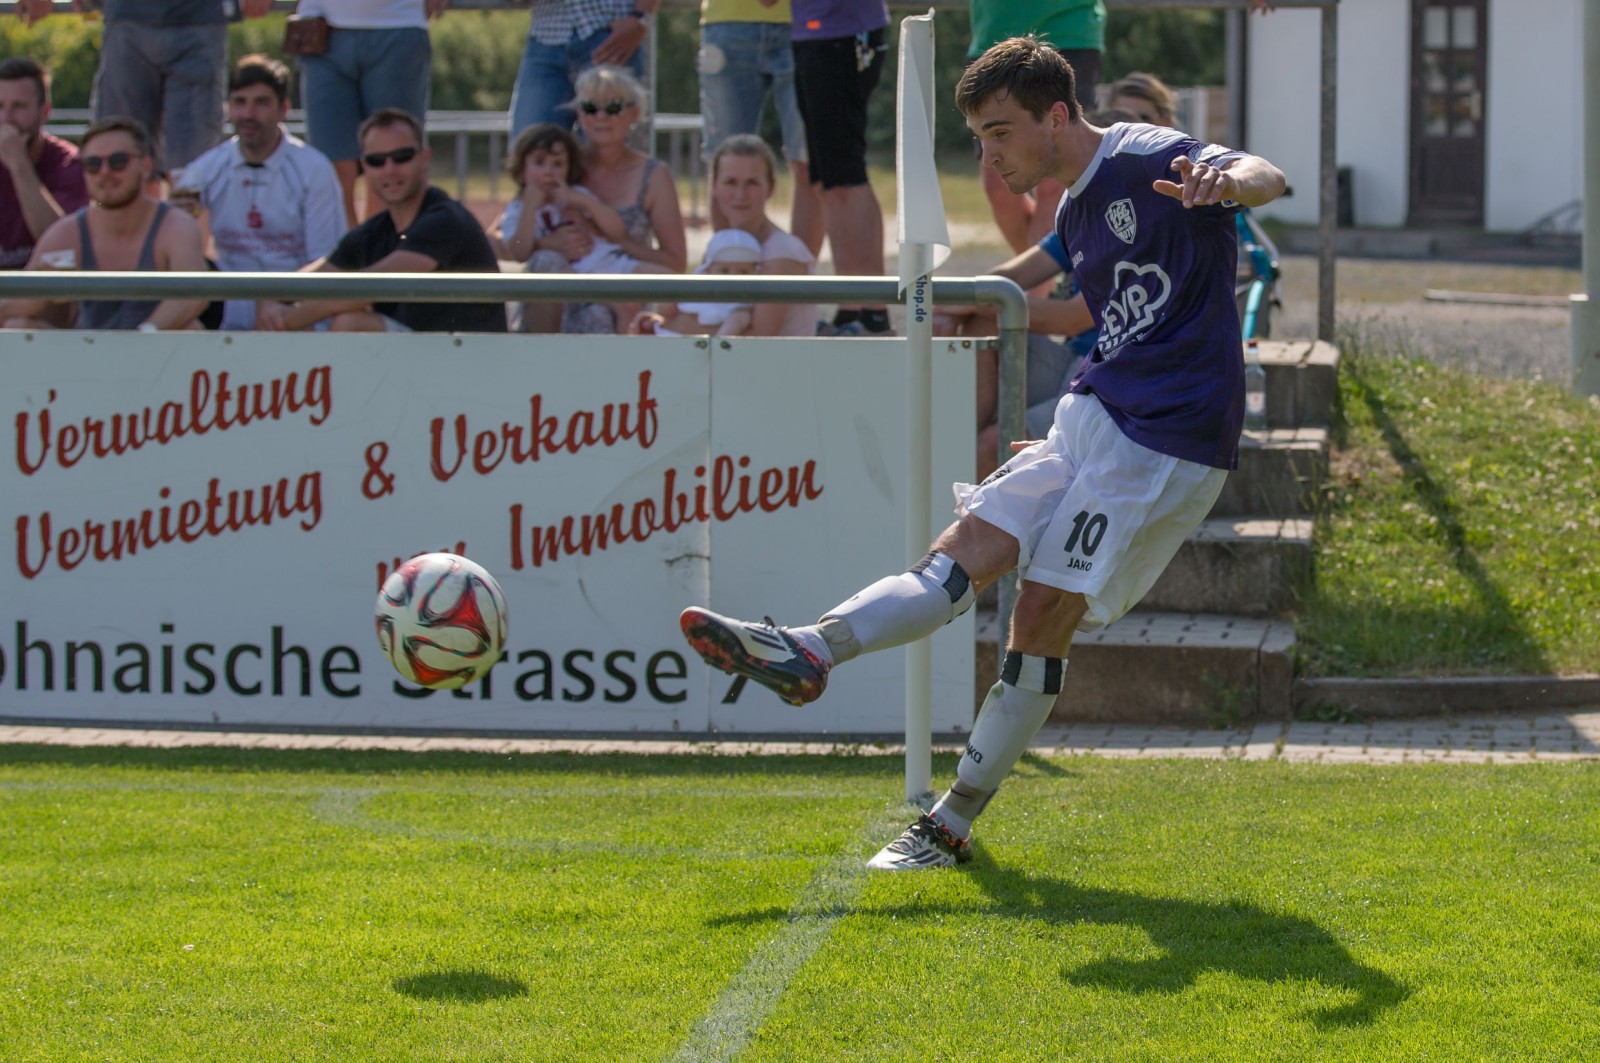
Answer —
1460 696
1541 738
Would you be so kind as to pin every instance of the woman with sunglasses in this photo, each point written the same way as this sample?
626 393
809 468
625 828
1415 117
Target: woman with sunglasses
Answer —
638 187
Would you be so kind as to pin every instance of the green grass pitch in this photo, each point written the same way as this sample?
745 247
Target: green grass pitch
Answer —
234 904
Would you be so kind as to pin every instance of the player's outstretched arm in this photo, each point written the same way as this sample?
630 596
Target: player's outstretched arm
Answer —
1246 179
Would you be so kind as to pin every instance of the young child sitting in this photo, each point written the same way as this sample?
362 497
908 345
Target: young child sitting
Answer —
731 252
547 164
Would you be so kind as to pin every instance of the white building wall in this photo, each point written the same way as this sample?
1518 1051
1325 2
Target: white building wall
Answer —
1533 155
1284 82
1534 107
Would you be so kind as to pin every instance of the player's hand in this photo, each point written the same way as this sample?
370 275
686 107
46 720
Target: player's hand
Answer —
272 316
1019 445
644 323
434 8
255 8
31 11
1202 184
573 241
1263 7
626 35
13 148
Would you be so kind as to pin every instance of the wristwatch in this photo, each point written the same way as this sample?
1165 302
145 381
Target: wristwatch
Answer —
642 16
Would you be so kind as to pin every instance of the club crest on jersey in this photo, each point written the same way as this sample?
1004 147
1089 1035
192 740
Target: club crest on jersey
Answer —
1121 218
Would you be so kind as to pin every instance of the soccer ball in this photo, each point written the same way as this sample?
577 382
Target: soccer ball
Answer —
441 620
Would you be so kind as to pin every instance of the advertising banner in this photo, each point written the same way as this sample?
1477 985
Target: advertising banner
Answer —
199 523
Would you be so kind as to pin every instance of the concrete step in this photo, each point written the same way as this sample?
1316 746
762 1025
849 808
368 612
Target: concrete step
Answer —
1302 381
1247 566
1280 472
1191 669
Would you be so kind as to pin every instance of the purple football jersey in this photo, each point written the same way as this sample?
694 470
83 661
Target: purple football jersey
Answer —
1169 365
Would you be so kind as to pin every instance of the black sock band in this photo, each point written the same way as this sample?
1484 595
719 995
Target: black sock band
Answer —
956 584
1042 675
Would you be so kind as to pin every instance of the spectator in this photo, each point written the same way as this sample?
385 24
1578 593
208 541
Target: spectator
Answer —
166 65
378 56
635 185
123 228
566 37
1075 28
1147 98
547 164
730 253
745 59
41 180
420 230
743 176
272 202
839 56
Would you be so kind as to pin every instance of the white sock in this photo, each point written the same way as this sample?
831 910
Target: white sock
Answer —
893 611
1012 714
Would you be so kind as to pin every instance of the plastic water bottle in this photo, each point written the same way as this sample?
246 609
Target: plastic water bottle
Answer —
1255 389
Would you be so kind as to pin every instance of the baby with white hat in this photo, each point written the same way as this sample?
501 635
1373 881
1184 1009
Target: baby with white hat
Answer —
730 252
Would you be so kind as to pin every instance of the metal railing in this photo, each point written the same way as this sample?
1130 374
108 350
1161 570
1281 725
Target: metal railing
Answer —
684 135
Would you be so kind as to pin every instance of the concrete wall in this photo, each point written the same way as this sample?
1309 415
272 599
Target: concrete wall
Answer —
1532 107
1534 160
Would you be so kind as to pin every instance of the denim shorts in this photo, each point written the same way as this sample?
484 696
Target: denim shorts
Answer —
171 78
362 71
742 64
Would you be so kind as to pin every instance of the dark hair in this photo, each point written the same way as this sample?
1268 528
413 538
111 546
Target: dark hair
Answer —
119 124
260 70
749 146
1024 69
1150 89
384 117
21 68
543 137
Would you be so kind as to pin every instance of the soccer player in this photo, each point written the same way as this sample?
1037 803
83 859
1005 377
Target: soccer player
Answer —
1138 452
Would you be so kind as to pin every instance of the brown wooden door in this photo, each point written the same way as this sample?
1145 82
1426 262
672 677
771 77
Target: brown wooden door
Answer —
1449 60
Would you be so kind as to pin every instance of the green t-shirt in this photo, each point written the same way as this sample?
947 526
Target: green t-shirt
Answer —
1065 24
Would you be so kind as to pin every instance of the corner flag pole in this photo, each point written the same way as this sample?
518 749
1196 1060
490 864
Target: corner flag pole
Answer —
924 243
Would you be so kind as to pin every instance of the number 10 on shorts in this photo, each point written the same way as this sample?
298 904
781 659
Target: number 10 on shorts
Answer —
1087 528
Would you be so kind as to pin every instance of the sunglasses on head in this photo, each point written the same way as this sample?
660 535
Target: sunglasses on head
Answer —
375 160
117 161
611 107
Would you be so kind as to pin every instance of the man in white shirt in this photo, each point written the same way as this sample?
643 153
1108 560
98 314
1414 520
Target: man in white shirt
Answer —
273 202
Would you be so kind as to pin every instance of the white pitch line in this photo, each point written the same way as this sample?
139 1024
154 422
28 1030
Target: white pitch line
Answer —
732 1021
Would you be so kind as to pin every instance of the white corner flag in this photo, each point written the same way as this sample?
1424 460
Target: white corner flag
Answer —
924 244
923 233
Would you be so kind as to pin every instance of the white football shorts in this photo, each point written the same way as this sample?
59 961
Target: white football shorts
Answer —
1092 511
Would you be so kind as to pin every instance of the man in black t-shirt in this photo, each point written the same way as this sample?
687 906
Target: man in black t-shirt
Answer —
420 231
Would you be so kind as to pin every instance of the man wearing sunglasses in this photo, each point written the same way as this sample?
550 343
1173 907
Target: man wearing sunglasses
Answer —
420 230
40 179
122 229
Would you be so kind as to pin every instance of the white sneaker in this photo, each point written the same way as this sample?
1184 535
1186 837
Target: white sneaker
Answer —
926 843
763 652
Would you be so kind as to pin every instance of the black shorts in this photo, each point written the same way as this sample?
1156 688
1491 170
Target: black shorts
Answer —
833 93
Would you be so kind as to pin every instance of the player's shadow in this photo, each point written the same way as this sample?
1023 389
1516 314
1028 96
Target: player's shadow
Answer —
1189 937
1193 937
463 987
